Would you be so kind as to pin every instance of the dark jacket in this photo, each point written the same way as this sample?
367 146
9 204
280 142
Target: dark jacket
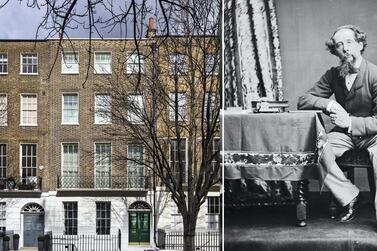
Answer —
360 102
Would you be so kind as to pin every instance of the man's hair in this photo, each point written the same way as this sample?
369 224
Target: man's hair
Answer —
360 36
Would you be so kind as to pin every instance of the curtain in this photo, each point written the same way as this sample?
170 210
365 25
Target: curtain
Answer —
252 54
252 66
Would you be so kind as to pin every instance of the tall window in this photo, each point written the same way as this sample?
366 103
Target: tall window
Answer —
3 63
135 168
29 63
3 109
3 216
213 212
135 108
209 102
178 149
176 223
3 160
70 63
70 218
102 165
211 66
102 109
70 107
29 109
70 164
135 63
177 64
179 99
103 218
102 62
28 160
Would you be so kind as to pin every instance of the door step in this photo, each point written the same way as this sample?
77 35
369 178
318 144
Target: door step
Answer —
28 249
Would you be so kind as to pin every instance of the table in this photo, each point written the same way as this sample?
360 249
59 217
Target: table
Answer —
274 146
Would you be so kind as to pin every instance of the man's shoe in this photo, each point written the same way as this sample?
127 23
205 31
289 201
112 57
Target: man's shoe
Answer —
350 210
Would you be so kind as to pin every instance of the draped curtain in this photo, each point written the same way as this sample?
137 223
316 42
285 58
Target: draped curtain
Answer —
252 65
252 54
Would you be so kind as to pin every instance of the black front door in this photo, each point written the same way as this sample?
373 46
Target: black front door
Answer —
34 225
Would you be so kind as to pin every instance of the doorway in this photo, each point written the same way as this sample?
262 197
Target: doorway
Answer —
139 223
34 223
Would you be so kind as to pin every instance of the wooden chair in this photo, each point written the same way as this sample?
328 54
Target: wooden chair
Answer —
348 162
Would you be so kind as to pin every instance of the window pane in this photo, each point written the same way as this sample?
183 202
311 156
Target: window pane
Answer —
177 151
102 62
29 63
29 161
70 109
102 165
103 218
3 63
28 109
135 108
135 167
3 110
102 109
70 62
135 63
177 99
70 218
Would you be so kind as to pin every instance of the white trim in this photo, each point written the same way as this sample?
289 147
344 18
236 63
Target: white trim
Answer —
20 157
111 63
61 156
94 162
21 120
26 73
6 99
62 108
78 63
5 73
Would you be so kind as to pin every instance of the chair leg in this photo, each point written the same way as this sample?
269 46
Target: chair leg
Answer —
332 207
372 183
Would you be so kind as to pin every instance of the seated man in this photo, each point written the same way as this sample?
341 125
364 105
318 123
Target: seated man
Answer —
354 113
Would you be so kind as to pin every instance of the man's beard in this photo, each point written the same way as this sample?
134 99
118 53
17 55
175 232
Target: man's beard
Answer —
346 67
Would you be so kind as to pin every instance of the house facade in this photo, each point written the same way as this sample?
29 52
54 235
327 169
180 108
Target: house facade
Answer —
58 172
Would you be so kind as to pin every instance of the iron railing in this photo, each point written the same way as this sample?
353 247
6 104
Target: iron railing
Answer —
103 182
21 183
85 242
204 241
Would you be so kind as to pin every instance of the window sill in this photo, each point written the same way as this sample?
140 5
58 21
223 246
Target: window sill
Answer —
70 123
103 124
29 125
3 73
30 74
70 73
102 73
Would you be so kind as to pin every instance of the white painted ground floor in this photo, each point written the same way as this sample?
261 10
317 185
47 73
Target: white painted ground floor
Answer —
133 217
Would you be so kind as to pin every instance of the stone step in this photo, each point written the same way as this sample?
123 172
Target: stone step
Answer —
28 249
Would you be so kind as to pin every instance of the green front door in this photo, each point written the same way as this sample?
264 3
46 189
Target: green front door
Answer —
139 228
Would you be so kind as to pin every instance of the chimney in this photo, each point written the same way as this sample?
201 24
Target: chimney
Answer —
151 30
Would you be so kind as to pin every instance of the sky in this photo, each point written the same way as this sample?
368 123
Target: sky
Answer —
17 21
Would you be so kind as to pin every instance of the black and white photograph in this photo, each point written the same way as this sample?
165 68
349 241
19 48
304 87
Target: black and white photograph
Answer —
300 125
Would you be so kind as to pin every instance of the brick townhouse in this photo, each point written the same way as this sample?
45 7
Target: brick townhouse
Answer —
50 137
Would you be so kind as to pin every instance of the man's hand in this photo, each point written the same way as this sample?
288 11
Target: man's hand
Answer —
341 119
335 107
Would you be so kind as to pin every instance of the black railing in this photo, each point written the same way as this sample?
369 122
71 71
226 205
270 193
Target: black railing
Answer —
21 183
85 242
103 182
204 241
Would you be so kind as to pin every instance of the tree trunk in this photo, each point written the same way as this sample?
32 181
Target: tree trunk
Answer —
189 233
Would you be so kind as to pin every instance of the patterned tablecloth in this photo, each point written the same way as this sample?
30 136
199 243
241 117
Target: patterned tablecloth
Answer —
275 146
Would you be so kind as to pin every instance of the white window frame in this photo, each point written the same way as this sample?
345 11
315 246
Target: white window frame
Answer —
186 158
100 113
99 219
176 64
137 165
131 116
95 164
4 62
210 67
21 64
213 218
78 108
97 66
31 178
3 166
176 223
74 220
62 157
4 110
133 66
70 68
182 108
22 123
